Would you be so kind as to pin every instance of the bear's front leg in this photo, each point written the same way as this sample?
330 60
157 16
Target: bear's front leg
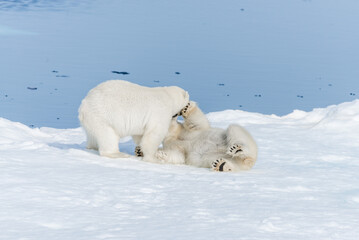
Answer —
194 118
161 156
164 156
138 151
188 109
152 138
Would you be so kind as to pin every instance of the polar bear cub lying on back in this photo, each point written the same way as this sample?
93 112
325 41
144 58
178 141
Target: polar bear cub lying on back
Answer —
196 143
116 109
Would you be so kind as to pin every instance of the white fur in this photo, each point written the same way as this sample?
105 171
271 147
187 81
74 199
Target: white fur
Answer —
116 109
196 143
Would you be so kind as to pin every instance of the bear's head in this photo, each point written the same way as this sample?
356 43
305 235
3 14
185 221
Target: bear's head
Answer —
180 98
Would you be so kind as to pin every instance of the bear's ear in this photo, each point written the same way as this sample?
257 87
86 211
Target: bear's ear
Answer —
186 95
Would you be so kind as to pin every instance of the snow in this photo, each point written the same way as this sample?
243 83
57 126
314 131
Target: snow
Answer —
305 184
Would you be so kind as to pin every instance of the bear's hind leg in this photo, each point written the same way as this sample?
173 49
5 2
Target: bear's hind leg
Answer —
222 165
107 141
217 161
91 142
247 163
235 150
241 146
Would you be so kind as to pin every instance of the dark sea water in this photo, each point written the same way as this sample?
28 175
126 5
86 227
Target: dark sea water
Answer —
264 56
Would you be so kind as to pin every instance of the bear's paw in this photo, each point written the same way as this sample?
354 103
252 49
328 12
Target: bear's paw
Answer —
221 165
235 150
138 151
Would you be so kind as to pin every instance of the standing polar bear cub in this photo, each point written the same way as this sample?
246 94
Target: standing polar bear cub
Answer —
117 108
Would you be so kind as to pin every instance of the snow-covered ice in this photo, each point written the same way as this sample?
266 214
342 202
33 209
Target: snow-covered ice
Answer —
305 184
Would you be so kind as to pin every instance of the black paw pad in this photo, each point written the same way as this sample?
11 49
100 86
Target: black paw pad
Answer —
185 109
222 166
138 151
239 150
235 149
